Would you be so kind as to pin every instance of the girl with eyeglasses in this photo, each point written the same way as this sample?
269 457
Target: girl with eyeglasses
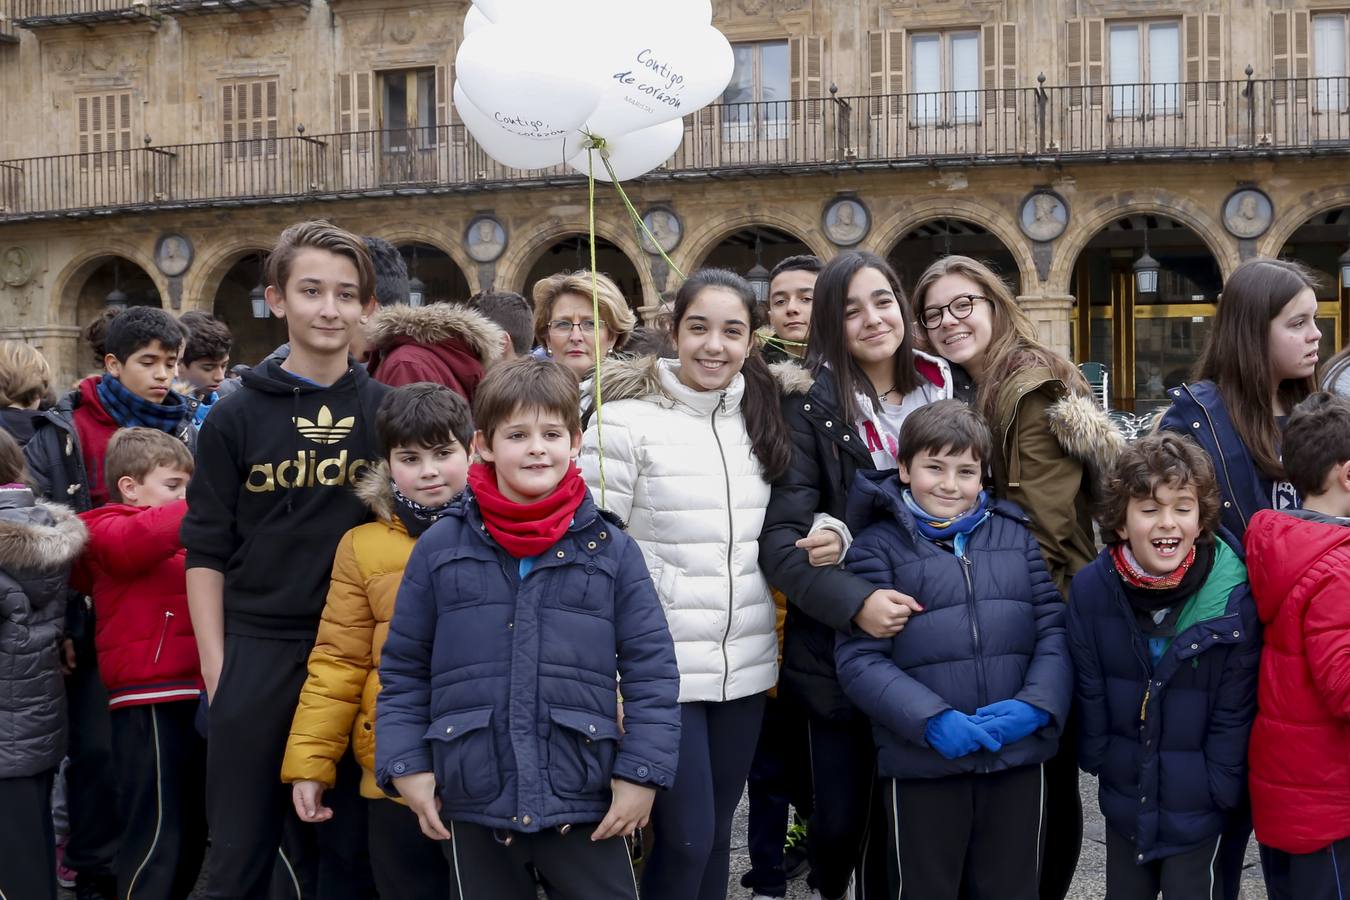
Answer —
1051 442
844 413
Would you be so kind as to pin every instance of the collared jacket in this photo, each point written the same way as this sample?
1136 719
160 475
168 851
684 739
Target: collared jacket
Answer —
679 469
507 688
1167 741
38 544
133 568
444 343
337 703
1198 411
1300 748
827 454
992 628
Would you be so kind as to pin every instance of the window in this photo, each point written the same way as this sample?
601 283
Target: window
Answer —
1144 54
408 109
945 73
757 97
248 118
1329 61
104 125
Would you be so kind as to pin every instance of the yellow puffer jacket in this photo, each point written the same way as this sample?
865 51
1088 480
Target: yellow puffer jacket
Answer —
337 703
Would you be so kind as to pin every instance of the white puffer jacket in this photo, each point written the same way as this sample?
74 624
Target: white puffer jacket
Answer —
678 468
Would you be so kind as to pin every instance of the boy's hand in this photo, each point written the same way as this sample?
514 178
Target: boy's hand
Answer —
954 734
1009 721
307 797
824 548
885 613
67 656
628 811
419 791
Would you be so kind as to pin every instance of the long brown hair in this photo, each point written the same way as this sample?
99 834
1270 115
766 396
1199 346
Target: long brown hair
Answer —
12 468
762 406
1252 297
1014 344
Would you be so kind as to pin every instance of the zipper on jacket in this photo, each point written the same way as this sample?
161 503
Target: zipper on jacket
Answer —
966 565
163 633
1223 460
731 544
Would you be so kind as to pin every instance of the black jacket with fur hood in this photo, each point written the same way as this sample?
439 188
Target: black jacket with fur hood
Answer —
38 544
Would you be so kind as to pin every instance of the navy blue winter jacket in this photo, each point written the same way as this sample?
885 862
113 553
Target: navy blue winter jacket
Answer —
506 689
1167 742
992 629
1198 410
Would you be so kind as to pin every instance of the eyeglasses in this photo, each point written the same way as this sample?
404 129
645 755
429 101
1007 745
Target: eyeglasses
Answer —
563 328
961 306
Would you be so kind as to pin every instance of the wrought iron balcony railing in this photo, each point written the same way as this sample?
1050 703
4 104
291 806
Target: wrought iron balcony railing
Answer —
1196 120
42 13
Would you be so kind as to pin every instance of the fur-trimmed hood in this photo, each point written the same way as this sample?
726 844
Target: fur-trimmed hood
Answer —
37 538
374 491
434 324
1086 433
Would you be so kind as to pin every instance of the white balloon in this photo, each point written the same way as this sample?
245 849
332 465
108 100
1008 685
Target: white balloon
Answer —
660 73
510 149
520 83
633 154
475 20
491 9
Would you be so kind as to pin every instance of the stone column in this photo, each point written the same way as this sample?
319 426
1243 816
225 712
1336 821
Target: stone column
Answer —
60 344
1053 315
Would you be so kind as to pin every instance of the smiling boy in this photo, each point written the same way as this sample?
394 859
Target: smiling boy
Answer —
267 507
1165 644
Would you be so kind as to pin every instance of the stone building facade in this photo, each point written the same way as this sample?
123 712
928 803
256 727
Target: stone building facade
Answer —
157 147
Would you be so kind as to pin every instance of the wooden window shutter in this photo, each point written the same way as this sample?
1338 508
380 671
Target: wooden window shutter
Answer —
1074 69
1300 29
96 123
796 75
362 109
876 62
895 61
270 113
124 120
989 60
1008 63
885 68
343 92
82 107
227 119
1194 71
1279 54
442 104
815 74
1096 66
255 121
1214 47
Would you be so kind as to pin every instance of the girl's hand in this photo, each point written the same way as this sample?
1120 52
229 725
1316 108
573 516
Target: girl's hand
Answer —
885 613
307 797
824 548
629 810
419 791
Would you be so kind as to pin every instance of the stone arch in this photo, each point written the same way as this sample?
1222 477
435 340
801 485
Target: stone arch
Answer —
72 277
699 243
207 272
1304 208
883 241
520 257
416 233
1086 225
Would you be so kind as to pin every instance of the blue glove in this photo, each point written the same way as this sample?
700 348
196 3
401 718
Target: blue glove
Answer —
1008 721
955 734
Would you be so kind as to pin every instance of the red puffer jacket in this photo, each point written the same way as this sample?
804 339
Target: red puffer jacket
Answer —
1300 747
133 568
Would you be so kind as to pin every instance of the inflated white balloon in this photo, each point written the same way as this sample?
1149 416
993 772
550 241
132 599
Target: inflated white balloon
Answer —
633 154
510 149
492 10
517 79
475 20
659 73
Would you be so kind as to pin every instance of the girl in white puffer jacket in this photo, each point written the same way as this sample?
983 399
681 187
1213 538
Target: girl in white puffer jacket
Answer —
684 451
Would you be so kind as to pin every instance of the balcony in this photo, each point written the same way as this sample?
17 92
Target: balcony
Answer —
44 13
1212 120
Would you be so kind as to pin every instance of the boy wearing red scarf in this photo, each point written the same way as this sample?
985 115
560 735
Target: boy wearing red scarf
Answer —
1165 643
519 613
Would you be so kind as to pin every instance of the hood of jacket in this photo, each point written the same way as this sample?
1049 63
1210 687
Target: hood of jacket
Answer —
1284 550
270 378
375 490
37 538
1082 428
438 323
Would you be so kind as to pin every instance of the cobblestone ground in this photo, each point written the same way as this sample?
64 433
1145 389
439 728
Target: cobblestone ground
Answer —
1088 884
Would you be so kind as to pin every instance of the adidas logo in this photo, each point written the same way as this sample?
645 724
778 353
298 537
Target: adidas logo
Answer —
323 430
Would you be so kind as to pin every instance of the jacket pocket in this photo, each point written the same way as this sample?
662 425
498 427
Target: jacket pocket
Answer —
464 756
587 586
581 750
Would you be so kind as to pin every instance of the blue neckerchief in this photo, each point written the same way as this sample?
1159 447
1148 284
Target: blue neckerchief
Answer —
128 410
203 407
957 530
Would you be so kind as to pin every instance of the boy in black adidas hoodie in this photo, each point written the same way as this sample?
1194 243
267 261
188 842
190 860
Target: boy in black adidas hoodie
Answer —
269 502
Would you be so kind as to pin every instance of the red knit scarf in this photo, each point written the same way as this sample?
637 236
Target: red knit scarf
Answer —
1133 574
526 529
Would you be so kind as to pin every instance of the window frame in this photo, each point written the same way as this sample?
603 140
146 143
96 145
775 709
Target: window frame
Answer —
1330 96
417 135
758 119
949 105
1146 97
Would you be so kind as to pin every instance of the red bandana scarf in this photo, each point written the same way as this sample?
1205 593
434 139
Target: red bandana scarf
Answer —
526 529
1134 575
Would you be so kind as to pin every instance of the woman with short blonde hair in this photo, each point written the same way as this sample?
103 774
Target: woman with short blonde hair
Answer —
25 381
564 319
